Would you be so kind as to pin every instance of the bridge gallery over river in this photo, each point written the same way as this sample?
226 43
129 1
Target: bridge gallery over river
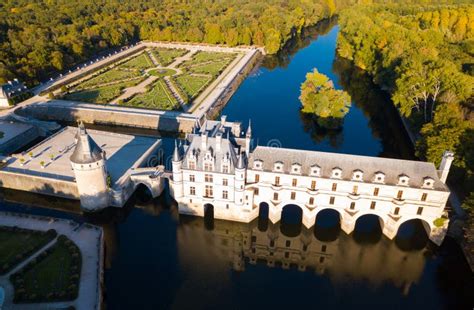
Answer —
217 170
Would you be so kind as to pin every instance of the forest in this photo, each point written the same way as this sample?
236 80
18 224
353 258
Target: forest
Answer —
39 37
423 56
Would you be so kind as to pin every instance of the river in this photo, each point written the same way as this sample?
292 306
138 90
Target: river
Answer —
156 259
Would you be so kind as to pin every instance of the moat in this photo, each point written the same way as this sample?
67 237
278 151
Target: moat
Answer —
158 259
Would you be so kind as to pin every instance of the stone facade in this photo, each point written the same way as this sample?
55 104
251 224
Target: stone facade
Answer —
217 169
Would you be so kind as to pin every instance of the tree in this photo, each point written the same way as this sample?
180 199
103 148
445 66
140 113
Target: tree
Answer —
319 97
272 41
213 34
442 133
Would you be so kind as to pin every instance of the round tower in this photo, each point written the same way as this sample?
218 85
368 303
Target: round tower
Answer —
89 165
177 162
240 181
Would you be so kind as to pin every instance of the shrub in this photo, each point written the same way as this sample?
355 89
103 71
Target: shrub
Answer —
439 222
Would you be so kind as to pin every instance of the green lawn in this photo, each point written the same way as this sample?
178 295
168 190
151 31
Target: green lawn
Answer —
52 276
140 62
202 56
192 84
103 94
213 68
17 244
166 56
158 97
112 75
162 72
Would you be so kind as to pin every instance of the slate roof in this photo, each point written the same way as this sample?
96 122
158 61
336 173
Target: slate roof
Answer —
392 168
86 150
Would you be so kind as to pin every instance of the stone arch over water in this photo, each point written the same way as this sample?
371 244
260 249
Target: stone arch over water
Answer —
368 228
208 216
327 224
291 220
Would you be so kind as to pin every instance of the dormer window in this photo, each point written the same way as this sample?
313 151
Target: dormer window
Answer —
336 173
296 168
258 164
208 166
403 180
428 182
379 177
278 166
357 175
315 170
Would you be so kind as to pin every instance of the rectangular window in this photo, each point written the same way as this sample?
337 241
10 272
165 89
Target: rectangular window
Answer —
277 180
225 168
419 211
209 191
321 259
313 185
294 182
255 191
331 200
288 243
192 165
225 182
191 178
287 254
272 243
192 190
355 188
334 187
399 194
225 195
397 210
372 205
208 178
376 191
207 167
311 200
305 247
257 178
323 248
424 196
353 204
275 196
293 195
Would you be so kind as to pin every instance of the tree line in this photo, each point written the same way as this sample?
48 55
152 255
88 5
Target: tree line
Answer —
44 36
423 55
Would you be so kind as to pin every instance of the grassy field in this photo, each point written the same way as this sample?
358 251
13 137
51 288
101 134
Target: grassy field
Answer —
16 245
54 275
140 62
113 75
166 56
192 84
103 94
158 97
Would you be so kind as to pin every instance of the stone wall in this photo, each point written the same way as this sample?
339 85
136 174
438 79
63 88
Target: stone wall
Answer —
19 141
58 110
38 184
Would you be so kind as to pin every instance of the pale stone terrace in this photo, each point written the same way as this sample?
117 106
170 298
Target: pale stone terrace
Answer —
122 152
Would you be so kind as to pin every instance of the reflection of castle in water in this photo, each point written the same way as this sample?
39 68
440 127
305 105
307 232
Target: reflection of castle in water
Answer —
342 259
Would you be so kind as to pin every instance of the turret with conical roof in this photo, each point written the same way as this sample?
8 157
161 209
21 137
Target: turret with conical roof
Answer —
177 180
248 139
89 165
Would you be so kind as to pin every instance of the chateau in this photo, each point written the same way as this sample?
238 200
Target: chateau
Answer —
218 170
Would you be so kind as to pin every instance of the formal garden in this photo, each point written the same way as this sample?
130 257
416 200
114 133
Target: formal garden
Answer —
54 275
17 244
155 78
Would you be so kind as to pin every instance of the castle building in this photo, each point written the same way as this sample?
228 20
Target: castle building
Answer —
218 170
10 90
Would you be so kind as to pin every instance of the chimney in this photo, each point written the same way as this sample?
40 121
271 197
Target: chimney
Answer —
445 165
218 142
223 119
204 140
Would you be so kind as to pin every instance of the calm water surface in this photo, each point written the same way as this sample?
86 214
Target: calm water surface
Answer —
157 259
